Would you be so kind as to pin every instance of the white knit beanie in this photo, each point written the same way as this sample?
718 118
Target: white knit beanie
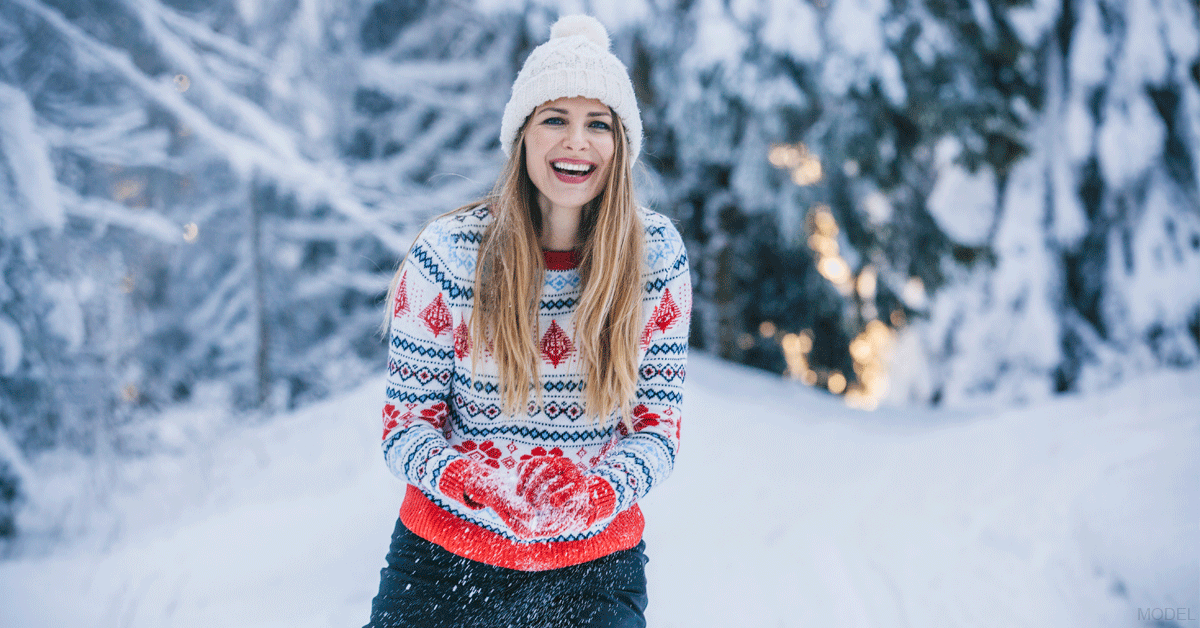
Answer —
575 62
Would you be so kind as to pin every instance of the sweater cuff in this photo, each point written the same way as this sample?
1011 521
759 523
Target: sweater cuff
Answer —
454 481
602 497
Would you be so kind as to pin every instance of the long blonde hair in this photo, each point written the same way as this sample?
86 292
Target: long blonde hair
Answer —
511 270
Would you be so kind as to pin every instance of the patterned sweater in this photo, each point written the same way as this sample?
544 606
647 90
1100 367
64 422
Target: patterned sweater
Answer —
436 412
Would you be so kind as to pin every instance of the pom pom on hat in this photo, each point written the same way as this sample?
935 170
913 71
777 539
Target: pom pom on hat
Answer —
585 25
575 61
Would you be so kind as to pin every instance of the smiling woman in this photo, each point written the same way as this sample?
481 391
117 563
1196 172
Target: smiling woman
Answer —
538 349
568 150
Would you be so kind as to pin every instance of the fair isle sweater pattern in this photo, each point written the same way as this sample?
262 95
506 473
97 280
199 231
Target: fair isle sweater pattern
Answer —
436 411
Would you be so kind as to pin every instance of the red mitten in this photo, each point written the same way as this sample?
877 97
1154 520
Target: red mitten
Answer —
472 484
563 497
548 480
519 517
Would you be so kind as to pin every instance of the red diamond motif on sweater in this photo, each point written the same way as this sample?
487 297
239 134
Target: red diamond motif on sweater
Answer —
401 296
391 419
462 340
435 414
556 345
665 314
437 316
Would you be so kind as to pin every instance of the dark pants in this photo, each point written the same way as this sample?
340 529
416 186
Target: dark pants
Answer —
424 585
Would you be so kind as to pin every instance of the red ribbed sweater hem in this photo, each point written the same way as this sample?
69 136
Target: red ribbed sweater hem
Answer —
463 538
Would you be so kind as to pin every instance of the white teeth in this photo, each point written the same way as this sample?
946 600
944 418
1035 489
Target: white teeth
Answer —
580 168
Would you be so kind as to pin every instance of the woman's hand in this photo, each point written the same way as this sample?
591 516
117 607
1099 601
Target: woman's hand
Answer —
563 498
549 496
473 485
548 480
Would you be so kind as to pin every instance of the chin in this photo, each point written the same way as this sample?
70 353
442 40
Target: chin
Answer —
572 200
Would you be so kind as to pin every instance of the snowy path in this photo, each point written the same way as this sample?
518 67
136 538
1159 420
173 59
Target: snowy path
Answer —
786 509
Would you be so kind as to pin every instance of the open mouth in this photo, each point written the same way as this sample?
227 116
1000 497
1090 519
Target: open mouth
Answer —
572 171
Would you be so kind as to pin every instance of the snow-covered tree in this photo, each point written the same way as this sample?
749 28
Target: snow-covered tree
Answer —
207 199
213 196
1014 185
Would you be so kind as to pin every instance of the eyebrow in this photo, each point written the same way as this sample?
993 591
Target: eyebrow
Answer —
564 112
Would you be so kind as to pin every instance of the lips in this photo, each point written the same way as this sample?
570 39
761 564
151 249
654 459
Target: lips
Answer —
572 170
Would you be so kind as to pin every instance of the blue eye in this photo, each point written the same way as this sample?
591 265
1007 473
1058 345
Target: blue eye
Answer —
554 120
597 124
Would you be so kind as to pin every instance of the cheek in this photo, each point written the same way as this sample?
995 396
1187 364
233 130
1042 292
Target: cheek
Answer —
536 144
608 161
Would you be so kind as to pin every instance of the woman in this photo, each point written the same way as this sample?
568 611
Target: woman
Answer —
538 342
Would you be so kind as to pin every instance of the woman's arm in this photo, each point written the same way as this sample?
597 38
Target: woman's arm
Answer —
641 459
421 366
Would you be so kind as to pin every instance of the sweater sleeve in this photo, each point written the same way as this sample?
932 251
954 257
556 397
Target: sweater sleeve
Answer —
421 365
641 459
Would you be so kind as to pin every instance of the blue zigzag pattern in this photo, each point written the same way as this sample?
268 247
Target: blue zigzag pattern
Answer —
434 270
667 348
559 304
404 344
410 397
658 394
486 388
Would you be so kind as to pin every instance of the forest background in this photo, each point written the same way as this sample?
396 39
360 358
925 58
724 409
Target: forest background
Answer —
972 203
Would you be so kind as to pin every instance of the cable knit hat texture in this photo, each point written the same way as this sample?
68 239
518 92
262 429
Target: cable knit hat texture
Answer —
576 61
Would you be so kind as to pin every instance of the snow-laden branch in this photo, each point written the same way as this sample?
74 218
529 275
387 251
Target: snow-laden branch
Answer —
338 279
201 34
203 315
279 159
104 212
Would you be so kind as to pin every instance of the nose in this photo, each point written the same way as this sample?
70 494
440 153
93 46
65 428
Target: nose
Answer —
576 138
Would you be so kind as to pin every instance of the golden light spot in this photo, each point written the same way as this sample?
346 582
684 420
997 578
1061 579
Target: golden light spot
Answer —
823 220
785 156
810 378
835 269
130 393
190 231
800 343
766 329
182 83
897 317
870 350
795 349
804 166
823 244
745 342
127 284
808 172
836 383
866 282
860 349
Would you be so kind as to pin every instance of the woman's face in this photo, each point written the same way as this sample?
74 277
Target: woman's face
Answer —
568 149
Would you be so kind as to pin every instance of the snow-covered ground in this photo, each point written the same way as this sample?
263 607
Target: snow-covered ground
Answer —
786 509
